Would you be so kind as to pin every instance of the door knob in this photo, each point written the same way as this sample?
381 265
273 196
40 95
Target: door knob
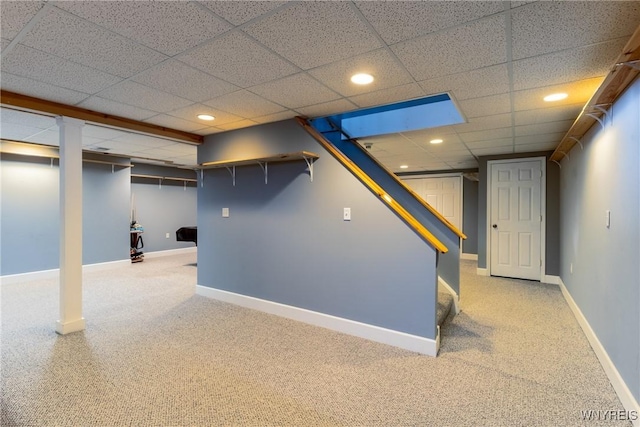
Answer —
495 225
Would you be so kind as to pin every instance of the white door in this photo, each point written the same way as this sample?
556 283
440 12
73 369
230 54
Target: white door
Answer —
443 194
516 219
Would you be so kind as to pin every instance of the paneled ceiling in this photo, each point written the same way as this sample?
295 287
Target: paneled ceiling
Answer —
252 62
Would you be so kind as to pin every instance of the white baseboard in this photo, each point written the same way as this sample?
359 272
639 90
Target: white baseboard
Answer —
70 327
55 273
624 394
168 252
482 271
374 333
471 257
552 280
454 294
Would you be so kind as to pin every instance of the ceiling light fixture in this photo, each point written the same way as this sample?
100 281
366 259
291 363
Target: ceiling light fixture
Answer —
555 97
205 117
362 78
403 166
436 141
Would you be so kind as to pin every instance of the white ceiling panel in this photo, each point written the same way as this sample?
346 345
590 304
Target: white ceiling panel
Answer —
388 96
532 148
132 93
466 164
38 121
99 48
275 117
327 108
544 115
549 26
14 15
102 132
166 26
568 66
4 43
239 12
238 59
578 93
485 135
478 83
237 125
423 136
474 45
26 62
490 143
542 128
109 106
17 131
48 137
175 123
486 106
178 149
295 91
191 113
398 21
333 28
182 80
552 138
245 104
506 149
483 123
385 69
30 87
207 131
142 140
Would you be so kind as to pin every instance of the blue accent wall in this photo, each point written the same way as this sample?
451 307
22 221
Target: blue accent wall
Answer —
599 265
286 241
470 216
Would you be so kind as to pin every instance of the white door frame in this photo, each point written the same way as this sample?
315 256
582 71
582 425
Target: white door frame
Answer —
543 209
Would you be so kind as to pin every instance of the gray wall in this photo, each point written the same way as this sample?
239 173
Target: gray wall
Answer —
552 247
605 282
470 216
30 233
163 209
286 241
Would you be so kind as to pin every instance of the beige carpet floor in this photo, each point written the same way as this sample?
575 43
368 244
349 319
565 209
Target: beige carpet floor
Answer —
155 354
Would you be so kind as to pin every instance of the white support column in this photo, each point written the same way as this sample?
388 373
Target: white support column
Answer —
71 319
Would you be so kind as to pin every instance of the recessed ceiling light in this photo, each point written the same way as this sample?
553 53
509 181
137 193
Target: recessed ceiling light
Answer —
205 117
362 79
555 97
403 166
436 141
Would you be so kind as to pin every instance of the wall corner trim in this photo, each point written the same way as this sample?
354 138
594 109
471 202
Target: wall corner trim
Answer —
403 340
482 271
552 280
454 294
624 394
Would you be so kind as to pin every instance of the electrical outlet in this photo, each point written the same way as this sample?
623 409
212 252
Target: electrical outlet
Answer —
347 214
167 235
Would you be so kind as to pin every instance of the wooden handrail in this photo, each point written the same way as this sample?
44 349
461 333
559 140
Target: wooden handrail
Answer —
374 187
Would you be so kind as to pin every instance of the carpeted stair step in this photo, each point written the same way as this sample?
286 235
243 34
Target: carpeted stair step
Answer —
445 303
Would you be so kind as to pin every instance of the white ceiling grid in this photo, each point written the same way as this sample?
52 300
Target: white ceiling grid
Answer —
249 62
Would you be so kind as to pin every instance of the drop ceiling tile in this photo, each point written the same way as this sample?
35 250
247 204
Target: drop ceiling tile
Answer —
30 63
108 106
551 138
181 149
238 59
275 117
237 125
498 142
245 104
239 12
532 148
388 96
387 72
545 27
542 128
334 29
474 45
492 151
17 131
102 132
486 106
153 153
398 21
465 164
132 93
327 108
174 123
423 136
579 92
122 147
14 15
515 4
485 135
180 79
29 87
143 140
47 137
3 44
208 131
295 91
451 153
191 113
471 84
567 66
544 115
484 122
169 27
38 121
57 34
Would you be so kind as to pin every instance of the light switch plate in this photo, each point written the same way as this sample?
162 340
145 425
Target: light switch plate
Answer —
225 212
347 214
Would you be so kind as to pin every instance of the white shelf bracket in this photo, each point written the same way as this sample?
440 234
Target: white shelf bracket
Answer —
201 178
557 163
309 162
633 64
577 141
564 154
232 171
265 168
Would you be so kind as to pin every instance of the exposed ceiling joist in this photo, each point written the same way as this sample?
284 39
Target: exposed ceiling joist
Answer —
54 108
624 71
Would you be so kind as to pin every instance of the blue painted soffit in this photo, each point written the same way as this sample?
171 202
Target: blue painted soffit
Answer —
423 113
